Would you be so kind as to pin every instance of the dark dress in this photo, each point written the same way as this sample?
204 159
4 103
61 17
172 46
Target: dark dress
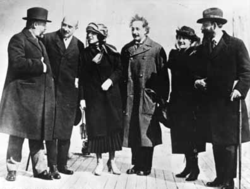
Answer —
103 108
186 134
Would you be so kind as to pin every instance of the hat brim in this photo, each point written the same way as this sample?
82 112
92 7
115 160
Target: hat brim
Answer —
184 34
220 20
94 31
26 18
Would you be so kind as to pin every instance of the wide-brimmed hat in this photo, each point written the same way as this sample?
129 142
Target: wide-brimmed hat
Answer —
37 13
212 14
97 28
188 32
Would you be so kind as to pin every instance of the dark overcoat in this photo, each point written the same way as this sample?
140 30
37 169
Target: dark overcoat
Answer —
141 92
65 65
186 133
28 99
103 108
227 64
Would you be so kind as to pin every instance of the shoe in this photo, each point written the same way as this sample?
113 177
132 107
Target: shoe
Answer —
11 176
133 170
143 173
44 175
228 185
85 152
216 183
113 168
65 170
54 172
193 175
194 168
99 169
184 173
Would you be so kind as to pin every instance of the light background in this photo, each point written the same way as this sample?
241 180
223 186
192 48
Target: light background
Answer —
164 17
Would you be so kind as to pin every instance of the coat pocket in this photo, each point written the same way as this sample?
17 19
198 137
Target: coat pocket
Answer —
149 101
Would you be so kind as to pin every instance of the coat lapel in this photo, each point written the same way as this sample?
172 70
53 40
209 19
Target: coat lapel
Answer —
222 46
72 45
31 38
59 43
143 48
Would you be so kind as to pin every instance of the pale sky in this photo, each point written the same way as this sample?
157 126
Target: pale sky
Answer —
164 17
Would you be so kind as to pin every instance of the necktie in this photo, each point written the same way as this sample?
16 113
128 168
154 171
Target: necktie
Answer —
213 44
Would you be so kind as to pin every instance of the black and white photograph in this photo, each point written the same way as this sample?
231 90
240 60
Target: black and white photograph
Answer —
124 94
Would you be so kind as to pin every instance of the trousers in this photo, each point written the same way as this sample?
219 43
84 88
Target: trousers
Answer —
14 154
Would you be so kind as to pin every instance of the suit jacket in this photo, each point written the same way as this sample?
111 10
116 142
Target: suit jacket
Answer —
141 89
65 64
228 62
28 99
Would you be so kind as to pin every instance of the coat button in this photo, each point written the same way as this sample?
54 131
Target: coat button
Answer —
141 75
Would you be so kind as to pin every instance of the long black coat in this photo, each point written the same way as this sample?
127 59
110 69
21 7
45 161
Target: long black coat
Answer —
141 89
186 133
28 99
103 108
65 65
228 62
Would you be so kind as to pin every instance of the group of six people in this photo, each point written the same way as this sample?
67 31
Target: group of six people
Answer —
50 75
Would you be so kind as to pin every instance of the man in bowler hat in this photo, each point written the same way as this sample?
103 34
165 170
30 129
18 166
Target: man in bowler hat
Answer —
228 78
27 105
64 51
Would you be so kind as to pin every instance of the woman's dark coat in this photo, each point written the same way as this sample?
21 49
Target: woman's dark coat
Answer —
141 90
65 65
103 108
28 99
186 133
228 64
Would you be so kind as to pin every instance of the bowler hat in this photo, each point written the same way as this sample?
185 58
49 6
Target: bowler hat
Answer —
37 13
188 32
212 14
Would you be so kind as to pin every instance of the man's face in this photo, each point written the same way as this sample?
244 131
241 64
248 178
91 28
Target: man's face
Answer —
208 29
68 27
40 28
183 42
138 31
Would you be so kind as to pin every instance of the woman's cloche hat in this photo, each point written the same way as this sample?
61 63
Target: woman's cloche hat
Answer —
188 32
212 14
37 13
98 28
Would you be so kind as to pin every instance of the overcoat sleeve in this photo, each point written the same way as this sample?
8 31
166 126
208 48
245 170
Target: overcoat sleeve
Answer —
243 69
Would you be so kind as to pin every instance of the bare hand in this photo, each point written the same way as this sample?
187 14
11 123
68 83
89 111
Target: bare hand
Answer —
105 86
82 104
235 94
200 84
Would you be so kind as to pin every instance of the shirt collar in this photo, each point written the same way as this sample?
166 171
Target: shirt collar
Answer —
218 37
68 39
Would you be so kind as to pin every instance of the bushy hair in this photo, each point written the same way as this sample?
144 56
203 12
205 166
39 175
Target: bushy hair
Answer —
143 20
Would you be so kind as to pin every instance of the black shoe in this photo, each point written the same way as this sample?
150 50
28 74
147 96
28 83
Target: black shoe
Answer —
143 173
11 176
54 172
216 183
193 175
228 185
133 170
44 175
65 170
184 173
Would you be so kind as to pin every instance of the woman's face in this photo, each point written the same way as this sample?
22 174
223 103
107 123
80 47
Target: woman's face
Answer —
183 42
92 37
